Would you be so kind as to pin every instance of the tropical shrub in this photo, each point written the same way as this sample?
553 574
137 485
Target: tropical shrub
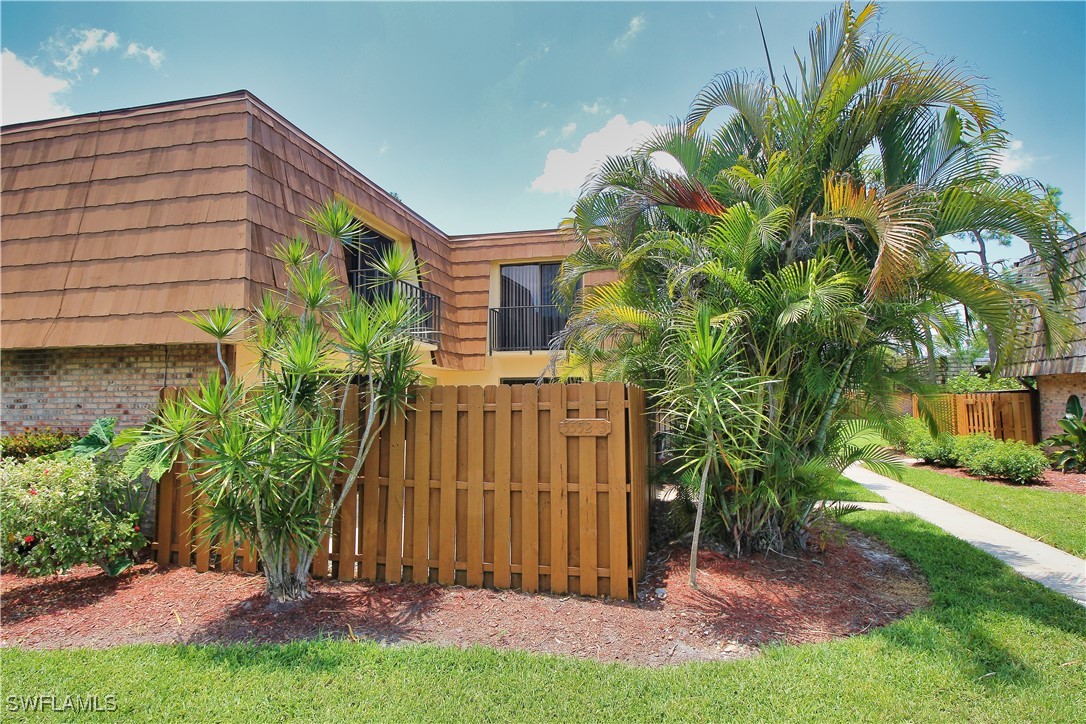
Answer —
808 227
55 514
1011 460
35 442
967 448
1071 441
264 453
931 449
966 382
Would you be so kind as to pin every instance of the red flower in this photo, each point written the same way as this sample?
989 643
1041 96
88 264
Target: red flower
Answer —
33 492
28 539
46 472
137 529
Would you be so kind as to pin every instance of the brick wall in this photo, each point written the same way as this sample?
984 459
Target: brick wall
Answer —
71 388
1054 391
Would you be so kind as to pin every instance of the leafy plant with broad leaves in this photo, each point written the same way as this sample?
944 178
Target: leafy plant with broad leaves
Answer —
263 452
1071 441
809 225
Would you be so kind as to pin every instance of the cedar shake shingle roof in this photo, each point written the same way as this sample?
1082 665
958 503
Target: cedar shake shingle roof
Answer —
115 223
1034 360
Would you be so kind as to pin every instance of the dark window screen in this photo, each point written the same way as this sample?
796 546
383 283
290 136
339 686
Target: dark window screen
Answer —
362 254
528 285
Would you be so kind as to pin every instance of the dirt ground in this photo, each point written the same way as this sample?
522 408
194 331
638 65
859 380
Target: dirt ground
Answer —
1053 479
856 584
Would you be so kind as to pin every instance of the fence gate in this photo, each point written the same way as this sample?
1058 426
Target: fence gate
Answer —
535 488
1003 415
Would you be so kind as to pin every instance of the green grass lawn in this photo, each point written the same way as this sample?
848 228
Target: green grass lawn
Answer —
851 491
1055 518
992 646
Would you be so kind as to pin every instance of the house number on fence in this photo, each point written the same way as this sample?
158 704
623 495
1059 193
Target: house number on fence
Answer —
585 427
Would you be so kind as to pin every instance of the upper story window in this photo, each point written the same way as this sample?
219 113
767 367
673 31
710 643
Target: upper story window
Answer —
362 255
528 285
527 316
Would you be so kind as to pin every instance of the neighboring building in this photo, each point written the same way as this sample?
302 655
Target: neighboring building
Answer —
115 223
1063 373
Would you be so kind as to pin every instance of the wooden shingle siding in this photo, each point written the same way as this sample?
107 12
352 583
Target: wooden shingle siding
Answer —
1034 359
115 223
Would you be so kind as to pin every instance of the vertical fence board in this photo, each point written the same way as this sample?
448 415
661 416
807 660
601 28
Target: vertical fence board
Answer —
165 514
348 514
638 444
371 499
394 522
475 486
489 436
516 476
226 554
530 496
319 568
420 565
184 518
559 491
616 490
447 545
587 502
202 535
503 447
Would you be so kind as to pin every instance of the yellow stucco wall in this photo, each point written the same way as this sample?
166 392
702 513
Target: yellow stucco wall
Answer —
497 366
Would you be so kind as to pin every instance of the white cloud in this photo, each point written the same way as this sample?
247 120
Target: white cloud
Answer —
78 43
565 171
69 49
152 55
29 94
637 24
543 132
385 148
595 109
1016 160
567 130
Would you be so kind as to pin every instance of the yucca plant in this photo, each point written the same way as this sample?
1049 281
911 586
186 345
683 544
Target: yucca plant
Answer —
263 452
809 227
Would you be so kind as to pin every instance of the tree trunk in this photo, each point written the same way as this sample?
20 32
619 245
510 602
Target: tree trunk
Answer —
982 250
284 582
697 526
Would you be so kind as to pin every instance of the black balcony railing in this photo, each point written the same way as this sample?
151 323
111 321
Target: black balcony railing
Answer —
515 329
371 285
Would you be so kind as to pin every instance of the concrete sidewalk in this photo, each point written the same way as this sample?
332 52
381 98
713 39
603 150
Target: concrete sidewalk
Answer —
1049 566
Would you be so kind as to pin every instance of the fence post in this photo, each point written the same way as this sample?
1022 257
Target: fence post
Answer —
616 489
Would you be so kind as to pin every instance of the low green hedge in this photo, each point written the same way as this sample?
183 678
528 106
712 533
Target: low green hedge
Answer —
35 442
979 453
966 382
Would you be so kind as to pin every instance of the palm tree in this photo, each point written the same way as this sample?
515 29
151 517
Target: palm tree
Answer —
810 225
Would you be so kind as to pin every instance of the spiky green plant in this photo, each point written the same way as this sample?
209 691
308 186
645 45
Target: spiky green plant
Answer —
263 452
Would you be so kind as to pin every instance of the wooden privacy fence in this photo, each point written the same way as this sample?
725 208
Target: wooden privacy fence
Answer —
1003 415
535 488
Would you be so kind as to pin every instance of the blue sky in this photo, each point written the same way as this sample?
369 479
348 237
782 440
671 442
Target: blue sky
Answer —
485 116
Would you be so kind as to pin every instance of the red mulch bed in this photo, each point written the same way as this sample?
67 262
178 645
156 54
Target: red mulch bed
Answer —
1053 479
854 586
